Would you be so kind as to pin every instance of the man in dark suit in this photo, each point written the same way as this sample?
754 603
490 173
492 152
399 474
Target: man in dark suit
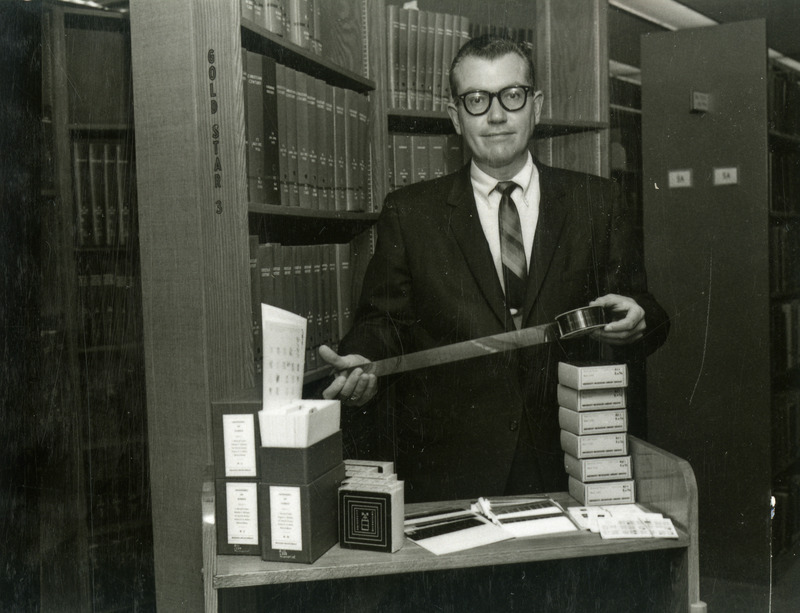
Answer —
442 273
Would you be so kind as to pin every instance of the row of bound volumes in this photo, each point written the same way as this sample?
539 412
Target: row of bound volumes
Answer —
784 255
417 157
107 302
123 555
102 184
524 36
112 385
784 101
307 142
421 46
784 262
784 168
117 491
333 28
785 335
785 428
299 21
313 281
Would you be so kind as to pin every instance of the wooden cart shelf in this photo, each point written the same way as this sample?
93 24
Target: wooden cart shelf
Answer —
664 484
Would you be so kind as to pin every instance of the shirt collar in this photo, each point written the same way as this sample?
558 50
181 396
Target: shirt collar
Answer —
484 183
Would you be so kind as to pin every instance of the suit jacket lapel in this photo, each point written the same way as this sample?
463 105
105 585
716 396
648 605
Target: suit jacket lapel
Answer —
552 214
467 230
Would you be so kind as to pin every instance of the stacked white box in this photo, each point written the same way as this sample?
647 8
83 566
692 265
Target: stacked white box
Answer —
594 424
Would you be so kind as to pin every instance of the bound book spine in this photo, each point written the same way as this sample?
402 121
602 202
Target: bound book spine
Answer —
271 145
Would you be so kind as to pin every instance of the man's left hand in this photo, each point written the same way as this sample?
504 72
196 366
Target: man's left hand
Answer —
628 325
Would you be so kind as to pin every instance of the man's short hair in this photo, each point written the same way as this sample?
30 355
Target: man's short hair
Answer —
490 47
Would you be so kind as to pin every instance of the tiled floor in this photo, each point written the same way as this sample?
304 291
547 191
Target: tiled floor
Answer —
786 583
728 597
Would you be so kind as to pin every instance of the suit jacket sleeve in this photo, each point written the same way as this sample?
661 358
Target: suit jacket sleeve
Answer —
384 315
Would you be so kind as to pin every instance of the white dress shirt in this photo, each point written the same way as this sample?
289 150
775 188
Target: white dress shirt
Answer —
526 200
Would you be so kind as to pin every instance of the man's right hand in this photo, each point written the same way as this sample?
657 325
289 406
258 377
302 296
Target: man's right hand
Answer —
356 388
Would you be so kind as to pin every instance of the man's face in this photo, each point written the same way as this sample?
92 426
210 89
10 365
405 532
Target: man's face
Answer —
499 138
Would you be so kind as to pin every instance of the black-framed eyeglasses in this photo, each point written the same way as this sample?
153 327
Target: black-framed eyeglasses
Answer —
513 98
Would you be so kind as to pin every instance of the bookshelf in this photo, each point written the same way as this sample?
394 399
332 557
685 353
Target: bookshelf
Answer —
722 392
197 217
573 77
96 544
784 274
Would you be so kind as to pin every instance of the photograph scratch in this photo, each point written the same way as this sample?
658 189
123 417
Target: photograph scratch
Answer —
708 317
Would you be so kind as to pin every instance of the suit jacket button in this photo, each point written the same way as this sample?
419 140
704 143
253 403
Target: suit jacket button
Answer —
513 425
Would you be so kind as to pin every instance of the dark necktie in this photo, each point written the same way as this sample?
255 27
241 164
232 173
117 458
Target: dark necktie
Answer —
512 250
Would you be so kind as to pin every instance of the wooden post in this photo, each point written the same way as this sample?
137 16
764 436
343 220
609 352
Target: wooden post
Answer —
189 119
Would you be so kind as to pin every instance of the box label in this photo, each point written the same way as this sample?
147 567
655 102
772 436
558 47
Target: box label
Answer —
726 176
239 437
611 492
603 421
591 400
603 376
679 178
607 468
242 503
602 444
285 518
